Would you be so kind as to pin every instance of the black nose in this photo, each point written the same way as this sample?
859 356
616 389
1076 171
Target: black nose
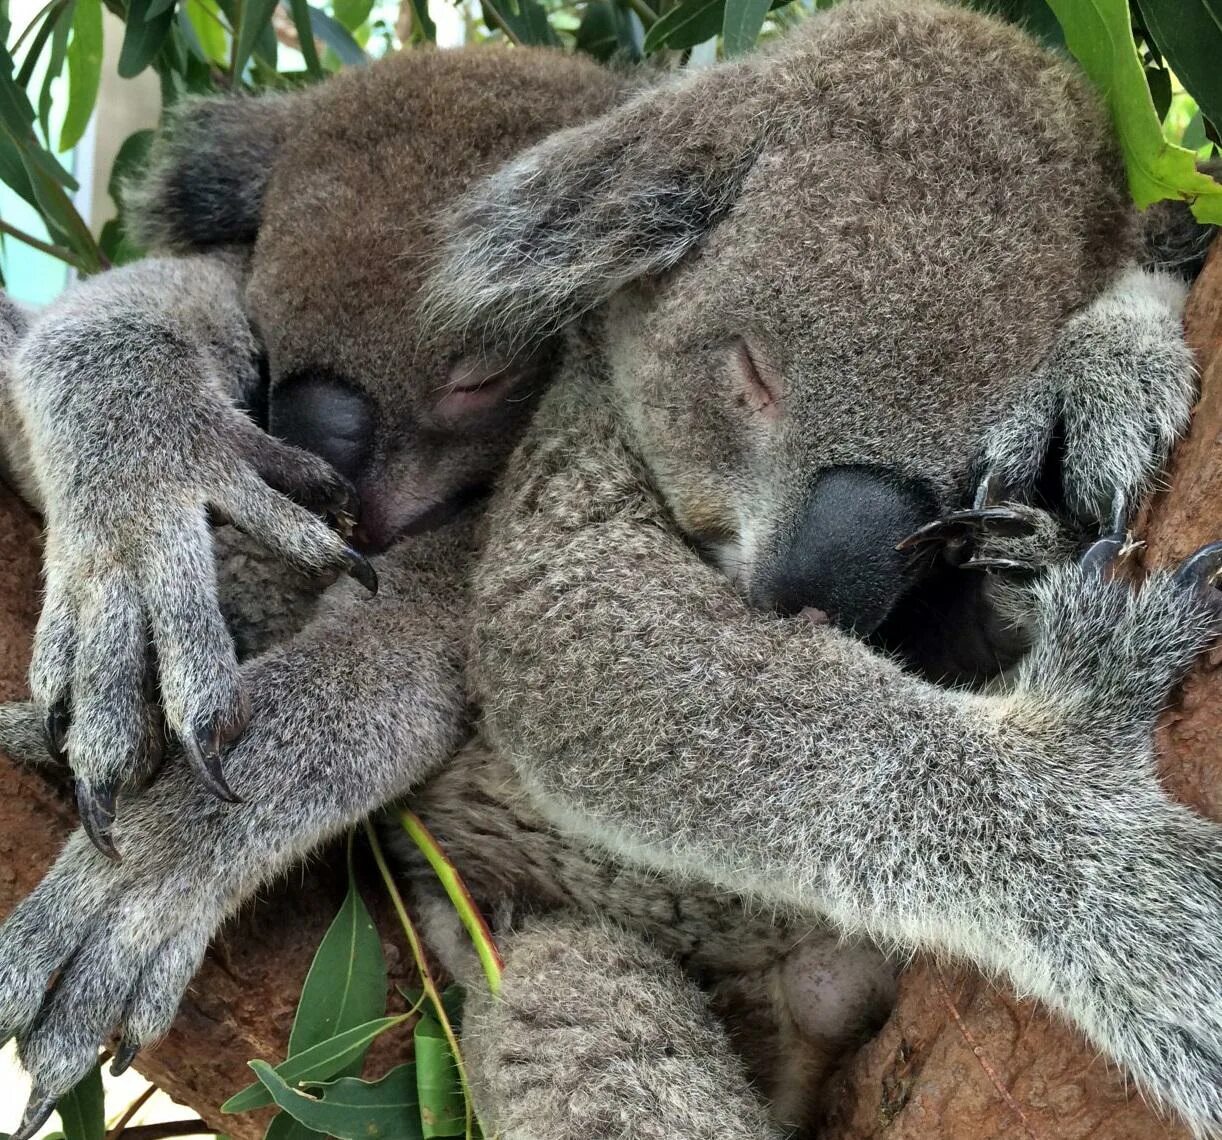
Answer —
840 555
323 413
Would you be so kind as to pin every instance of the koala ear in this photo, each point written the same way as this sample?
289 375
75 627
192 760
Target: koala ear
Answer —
207 171
561 228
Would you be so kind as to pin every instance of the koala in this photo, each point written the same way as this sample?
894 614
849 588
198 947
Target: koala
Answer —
705 271
205 382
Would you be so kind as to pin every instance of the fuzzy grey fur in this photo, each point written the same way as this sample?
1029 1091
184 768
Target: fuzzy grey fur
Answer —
677 775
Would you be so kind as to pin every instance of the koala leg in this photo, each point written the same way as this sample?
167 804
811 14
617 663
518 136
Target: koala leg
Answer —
597 1034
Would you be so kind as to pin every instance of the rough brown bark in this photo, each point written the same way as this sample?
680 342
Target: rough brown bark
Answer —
959 1059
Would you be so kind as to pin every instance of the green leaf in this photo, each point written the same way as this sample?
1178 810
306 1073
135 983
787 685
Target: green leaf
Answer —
442 1106
158 7
608 29
352 13
351 1109
346 985
1100 36
284 1127
741 24
337 38
301 12
55 65
143 36
83 1111
203 17
424 30
686 25
253 17
1189 34
318 1063
84 71
528 25
1158 79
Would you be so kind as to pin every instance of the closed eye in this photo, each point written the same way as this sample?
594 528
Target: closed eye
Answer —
759 383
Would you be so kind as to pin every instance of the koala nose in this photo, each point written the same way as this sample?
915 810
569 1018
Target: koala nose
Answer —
840 556
322 413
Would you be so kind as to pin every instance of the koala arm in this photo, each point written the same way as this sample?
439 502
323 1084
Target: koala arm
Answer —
360 707
127 390
645 705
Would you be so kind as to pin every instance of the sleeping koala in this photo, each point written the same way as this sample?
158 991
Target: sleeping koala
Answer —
768 273
147 395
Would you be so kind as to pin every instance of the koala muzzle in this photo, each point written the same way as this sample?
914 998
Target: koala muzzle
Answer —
840 557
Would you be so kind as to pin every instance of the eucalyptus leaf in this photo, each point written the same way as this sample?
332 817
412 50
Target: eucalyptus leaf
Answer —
84 71
1189 34
55 64
284 1127
1100 36
741 24
302 14
686 25
254 16
351 1109
337 38
442 1105
322 1061
346 985
143 37
83 1111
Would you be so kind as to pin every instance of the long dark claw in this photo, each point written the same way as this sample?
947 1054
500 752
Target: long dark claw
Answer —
360 568
1006 521
203 748
1201 568
37 1113
56 728
1006 565
96 806
125 1054
1102 553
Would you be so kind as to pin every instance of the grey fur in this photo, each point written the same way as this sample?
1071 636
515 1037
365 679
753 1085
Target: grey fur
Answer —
720 782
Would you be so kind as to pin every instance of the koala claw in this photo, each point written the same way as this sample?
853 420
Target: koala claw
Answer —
56 728
1005 565
95 805
1102 553
360 568
125 1054
1201 569
37 1113
956 535
203 749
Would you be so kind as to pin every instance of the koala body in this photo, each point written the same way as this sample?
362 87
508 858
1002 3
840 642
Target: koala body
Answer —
675 782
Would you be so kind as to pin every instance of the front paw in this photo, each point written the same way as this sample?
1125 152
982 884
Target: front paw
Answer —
117 949
1110 399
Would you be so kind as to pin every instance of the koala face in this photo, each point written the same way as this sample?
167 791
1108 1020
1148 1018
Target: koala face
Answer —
838 266
337 192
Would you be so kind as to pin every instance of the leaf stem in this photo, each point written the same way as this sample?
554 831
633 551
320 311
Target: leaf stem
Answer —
648 16
460 897
56 251
129 1112
426 974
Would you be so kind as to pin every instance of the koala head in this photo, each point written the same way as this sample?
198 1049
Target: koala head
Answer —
814 280
335 192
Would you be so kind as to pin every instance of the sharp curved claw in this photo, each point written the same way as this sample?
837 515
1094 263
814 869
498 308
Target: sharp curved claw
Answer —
56 728
125 1054
37 1113
203 748
1009 522
1102 553
96 806
1201 568
1005 565
360 568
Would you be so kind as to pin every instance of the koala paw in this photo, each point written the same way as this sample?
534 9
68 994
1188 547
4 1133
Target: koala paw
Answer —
117 947
131 627
1117 389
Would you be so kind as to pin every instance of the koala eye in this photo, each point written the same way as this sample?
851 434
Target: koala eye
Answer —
759 383
476 385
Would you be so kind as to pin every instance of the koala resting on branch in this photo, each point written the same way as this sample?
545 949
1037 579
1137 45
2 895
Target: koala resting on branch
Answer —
888 274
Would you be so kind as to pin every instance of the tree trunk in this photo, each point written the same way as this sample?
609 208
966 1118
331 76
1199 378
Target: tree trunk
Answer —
959 1058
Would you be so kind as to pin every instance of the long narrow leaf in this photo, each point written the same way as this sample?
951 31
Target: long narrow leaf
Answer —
442 1107
254 16
143 37
350 1109
1100 36
322 1061
1189 34
55 64
84 71
82 1111
741 24
346 985
301 12
686 25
